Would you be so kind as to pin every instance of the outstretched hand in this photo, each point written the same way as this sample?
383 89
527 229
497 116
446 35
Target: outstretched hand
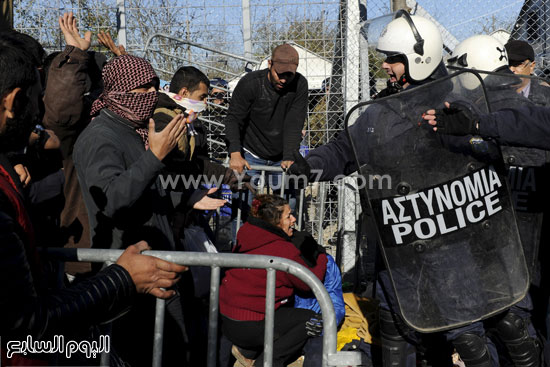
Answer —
455 119
105 39
67 24
163 142
208 203
150 274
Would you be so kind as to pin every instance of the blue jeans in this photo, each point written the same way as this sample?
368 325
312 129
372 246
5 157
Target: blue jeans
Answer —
272 179
243 200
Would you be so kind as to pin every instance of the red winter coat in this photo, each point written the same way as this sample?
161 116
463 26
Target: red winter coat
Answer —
242 293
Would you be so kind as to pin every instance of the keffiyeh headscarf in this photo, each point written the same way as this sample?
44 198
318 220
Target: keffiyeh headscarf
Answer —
120 76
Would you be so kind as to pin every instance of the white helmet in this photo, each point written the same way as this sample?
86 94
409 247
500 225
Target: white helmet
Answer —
479 52
416 38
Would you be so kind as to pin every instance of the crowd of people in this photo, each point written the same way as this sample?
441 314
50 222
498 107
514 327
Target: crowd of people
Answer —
86 145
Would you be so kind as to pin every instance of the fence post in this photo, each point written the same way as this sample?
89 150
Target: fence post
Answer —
121 22
351 70
213 316
247 32
398 4
269 316
159 332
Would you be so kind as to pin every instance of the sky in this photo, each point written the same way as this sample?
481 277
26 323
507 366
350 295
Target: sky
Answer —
462 18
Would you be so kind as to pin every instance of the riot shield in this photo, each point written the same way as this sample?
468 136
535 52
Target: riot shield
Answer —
527 168
445 220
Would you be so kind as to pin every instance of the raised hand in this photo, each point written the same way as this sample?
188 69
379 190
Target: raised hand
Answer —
105 39
163 142
67 24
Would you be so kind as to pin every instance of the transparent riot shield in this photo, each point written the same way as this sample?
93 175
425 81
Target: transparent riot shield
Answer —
444 215
527 168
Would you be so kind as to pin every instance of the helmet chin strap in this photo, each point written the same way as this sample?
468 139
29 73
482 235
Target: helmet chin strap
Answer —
392 87
397 86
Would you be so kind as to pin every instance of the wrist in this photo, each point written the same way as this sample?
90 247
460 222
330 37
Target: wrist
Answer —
158 155
76 53
43 137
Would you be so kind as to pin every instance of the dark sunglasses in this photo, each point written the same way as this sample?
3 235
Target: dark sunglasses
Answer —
286 76
219 95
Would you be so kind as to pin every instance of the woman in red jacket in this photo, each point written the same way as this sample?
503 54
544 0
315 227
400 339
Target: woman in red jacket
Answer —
242 293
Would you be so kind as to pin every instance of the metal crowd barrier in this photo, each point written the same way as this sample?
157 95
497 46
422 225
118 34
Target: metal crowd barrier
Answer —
216 261
263 188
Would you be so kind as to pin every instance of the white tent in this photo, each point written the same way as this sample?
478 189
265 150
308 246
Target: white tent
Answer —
314 67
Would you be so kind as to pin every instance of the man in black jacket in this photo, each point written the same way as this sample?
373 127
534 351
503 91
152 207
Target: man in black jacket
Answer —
267 113
118 161
28 308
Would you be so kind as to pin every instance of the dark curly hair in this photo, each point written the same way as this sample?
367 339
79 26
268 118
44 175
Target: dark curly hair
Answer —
268 208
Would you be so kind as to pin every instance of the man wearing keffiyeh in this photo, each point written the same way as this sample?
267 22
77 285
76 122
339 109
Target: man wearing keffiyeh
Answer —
118 158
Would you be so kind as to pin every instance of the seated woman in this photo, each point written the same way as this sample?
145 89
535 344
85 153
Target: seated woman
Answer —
242 292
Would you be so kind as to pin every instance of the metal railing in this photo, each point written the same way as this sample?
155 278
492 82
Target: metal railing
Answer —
169 52
216 261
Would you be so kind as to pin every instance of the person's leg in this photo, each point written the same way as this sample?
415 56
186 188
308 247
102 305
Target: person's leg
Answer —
289 335
313 352
517 333
472 345
224 354
396 338
248 335
243 200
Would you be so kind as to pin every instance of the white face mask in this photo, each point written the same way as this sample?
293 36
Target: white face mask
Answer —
188 104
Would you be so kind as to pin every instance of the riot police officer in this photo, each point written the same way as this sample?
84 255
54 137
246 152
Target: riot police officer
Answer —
443 267
527 175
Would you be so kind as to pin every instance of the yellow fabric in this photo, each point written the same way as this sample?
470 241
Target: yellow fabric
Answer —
346 336
361 314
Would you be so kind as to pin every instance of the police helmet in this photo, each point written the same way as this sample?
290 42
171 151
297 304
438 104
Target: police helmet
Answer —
479 52
417 39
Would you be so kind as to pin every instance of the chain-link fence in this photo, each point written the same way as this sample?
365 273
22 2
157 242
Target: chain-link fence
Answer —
226 38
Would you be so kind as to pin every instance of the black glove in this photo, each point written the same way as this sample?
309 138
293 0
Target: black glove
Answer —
299 170
309 248
458 119
314 326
